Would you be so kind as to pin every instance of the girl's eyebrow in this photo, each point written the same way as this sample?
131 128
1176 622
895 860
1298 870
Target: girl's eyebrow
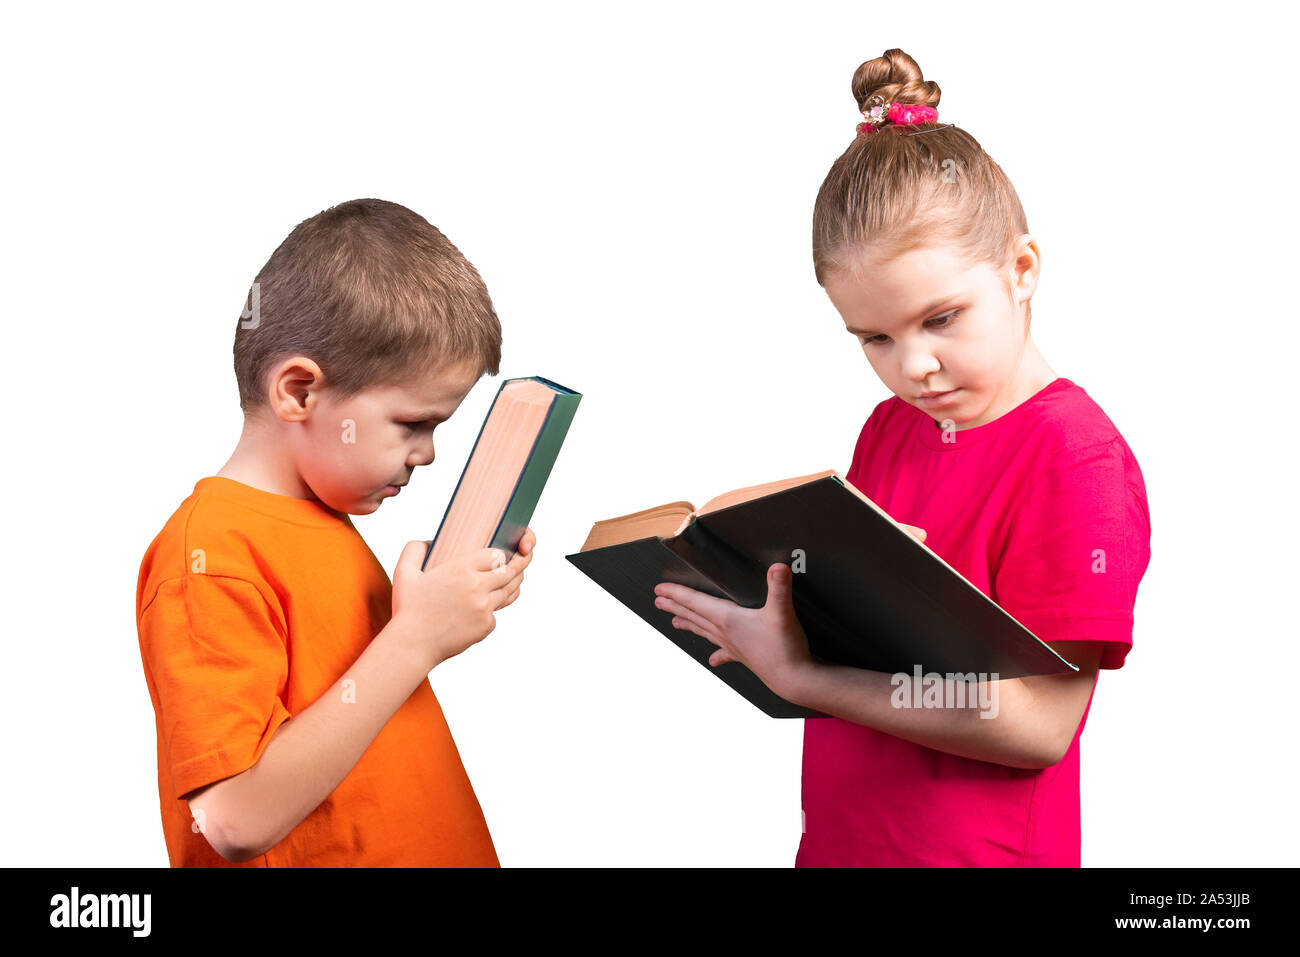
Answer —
920 315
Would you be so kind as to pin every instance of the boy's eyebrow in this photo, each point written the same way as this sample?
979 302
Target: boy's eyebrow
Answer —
425 415
920 315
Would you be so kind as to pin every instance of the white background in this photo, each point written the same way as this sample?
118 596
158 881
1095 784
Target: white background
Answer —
635 185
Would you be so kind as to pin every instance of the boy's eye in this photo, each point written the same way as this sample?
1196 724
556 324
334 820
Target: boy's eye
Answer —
937 323
412 426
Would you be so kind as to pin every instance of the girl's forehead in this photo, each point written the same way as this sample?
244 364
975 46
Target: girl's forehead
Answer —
907 282
920 263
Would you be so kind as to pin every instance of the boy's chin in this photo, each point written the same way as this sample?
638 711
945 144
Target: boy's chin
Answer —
371 502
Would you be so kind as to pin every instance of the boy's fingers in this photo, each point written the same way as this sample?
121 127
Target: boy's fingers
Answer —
511 592
505 589
489 558
526 544
413 552
502 576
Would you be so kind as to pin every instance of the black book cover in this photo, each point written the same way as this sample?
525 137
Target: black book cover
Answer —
866 592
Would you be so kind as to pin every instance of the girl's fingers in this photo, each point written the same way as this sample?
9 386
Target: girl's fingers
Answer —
680 610
697 623
684 625
704 605
695 611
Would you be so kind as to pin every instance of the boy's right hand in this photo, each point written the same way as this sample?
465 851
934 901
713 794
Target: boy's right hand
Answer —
451 606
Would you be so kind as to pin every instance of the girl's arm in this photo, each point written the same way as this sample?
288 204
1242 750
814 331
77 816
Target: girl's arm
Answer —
1032 727
1032 721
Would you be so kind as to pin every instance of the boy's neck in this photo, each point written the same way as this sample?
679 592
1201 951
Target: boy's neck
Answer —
259 461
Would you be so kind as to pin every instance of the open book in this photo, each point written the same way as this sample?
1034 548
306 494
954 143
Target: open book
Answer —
867 593
506 470
673 518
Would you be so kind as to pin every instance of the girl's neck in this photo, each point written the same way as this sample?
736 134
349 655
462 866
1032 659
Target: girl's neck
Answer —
1035 373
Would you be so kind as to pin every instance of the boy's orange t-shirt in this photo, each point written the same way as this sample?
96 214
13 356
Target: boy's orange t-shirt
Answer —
250 606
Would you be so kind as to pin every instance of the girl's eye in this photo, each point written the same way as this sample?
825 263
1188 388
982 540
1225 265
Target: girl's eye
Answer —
939 323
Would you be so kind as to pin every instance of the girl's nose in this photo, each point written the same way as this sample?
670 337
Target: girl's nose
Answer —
918 366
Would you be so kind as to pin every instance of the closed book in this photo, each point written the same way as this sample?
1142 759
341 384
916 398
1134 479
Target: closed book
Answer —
507 469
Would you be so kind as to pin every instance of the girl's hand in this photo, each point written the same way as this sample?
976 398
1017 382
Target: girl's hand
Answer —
769 641
917 533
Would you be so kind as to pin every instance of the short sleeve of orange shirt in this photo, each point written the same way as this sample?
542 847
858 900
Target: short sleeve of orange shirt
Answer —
249 607
219 658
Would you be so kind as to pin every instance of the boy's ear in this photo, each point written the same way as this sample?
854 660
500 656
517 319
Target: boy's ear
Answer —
294 386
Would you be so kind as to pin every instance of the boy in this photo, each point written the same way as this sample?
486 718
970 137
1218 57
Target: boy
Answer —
296 725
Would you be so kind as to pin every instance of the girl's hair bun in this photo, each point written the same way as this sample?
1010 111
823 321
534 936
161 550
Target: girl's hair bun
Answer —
895 77
896 190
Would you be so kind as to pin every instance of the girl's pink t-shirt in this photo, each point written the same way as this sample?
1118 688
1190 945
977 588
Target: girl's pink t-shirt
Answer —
1045 511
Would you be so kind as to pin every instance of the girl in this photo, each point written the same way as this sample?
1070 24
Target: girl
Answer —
1009 472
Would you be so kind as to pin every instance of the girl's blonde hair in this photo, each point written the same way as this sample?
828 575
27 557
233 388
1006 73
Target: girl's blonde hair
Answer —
895 192
373 294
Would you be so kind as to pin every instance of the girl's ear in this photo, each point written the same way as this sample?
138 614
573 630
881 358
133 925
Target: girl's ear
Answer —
1026 263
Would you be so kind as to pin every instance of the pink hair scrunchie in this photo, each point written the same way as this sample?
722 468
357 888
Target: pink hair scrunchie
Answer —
900 114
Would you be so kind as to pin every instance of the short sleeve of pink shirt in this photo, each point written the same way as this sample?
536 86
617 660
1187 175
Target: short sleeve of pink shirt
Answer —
1044 509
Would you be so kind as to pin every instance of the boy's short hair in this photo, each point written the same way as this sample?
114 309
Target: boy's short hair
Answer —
372 293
